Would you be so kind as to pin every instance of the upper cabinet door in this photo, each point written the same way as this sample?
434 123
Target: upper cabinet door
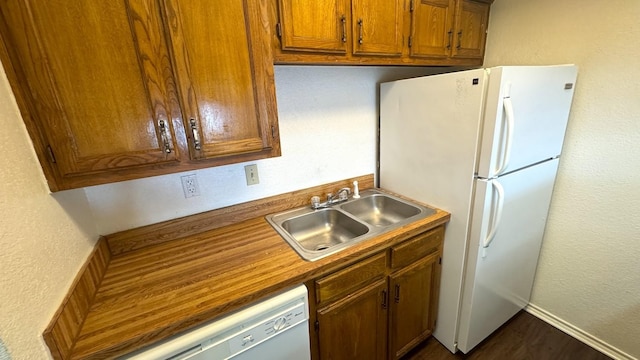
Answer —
470 31
377 27
313 25
432 28
225 77
99 105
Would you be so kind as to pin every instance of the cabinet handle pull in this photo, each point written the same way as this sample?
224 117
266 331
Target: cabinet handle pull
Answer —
459 39
360 31
163 135
450 38
343 20
397 298
194 131
384 299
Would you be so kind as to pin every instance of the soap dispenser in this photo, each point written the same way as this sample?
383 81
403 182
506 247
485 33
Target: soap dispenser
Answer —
356 192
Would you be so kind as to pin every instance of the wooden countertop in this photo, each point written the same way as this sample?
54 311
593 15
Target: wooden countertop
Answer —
151 293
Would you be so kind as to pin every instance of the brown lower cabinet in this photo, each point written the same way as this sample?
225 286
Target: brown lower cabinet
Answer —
414 303
355 327
380 307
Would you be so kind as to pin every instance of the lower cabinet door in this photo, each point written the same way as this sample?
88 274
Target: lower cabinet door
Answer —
413 302
355 327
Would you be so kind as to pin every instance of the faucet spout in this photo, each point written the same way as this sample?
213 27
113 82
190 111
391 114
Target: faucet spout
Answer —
343 194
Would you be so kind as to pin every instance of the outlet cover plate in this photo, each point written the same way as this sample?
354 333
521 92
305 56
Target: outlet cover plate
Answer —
190 186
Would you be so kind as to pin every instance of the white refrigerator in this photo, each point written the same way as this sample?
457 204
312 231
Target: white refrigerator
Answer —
483 145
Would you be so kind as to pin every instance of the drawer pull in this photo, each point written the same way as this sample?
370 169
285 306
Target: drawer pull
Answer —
384 299
163 135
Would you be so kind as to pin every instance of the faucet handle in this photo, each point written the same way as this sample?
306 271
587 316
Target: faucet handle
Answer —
315 202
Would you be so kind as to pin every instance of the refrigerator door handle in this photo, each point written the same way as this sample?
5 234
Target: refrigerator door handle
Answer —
510 123
498 213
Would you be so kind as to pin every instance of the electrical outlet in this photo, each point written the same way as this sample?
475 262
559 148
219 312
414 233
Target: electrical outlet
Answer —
190 185
251 172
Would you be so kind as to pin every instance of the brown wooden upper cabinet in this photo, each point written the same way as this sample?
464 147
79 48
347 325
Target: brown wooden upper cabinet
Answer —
316 26
385 32
118 90
448 28
377 27
470 32
327 26
432 28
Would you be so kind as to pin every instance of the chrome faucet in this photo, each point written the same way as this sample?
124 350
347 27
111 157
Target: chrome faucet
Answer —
340 196
343 195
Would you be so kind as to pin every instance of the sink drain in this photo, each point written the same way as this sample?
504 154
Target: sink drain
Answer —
322 247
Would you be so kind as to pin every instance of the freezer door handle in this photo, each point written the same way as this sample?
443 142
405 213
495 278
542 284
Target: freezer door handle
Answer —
498 213
510 124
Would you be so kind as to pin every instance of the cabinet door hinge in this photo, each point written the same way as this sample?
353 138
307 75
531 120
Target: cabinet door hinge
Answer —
409 42
316 326
279 30
273 132
411 6
52 157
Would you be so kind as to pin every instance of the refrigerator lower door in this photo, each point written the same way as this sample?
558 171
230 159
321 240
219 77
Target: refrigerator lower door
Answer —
508 221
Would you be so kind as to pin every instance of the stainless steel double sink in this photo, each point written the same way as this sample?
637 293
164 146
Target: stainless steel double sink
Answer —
314 234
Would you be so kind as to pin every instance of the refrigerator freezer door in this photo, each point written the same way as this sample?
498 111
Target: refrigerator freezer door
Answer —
526 114
429 131
500 270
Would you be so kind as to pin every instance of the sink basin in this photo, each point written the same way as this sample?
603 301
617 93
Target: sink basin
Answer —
380 210
314 234
323 229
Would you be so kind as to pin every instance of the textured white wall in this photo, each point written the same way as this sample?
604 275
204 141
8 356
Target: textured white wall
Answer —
327 118
589 271
44 239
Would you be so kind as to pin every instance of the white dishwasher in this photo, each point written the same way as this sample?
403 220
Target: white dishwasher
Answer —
275 328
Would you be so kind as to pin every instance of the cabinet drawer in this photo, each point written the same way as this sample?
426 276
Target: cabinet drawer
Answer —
347 280
417 248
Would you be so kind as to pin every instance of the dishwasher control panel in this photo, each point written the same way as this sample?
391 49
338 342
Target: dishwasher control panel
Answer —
268 328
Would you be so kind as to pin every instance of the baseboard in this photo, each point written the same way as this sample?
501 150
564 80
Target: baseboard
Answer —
577 333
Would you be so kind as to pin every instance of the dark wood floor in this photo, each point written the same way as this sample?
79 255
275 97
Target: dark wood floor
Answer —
524 337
